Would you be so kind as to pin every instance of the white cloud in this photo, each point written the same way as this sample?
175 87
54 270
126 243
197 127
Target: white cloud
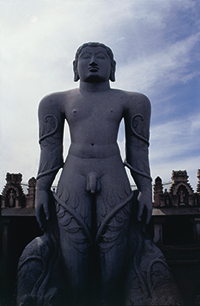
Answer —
175 138
38 43
175 146
165 68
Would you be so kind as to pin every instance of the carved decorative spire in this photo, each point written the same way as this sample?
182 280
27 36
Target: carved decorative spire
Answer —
158 190
198 185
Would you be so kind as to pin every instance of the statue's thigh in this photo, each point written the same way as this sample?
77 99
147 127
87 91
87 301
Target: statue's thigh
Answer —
74 198
113 250
115 189
113 217
74 221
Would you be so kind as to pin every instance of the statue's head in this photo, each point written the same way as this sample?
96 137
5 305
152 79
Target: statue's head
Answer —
106 49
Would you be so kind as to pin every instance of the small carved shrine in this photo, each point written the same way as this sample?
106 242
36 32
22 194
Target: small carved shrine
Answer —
13 195
179 202
176 228
180 193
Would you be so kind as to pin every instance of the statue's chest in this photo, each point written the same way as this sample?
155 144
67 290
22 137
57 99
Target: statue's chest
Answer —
98 111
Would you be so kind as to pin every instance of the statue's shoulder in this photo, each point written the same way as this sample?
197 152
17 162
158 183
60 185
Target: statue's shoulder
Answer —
57 100
136 101
137 98
132 97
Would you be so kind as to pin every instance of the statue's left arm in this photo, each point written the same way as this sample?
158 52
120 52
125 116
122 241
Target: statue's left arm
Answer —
51 123
137 123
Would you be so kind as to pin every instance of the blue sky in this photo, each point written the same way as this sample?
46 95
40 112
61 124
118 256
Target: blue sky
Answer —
156 46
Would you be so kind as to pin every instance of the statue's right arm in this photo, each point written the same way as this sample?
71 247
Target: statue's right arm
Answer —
51 124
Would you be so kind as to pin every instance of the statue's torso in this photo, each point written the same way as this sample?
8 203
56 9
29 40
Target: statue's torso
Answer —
94 118
94 122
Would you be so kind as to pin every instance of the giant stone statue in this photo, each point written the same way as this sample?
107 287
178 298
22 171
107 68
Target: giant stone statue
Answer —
94 250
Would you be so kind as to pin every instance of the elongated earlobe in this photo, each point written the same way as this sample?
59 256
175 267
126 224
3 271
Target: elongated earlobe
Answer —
112 71
76 76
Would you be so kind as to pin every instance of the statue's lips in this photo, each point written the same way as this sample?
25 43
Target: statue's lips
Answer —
93 69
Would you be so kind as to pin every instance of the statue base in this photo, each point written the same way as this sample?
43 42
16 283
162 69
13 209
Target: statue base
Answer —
147 279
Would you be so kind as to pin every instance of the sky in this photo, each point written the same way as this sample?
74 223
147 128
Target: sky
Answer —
156 44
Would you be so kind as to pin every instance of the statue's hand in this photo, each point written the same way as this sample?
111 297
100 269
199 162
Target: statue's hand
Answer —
42 207
145 201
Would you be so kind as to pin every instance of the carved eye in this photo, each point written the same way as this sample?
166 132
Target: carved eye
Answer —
85 55
101 56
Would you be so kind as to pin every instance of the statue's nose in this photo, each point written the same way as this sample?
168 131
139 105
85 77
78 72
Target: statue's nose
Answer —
93 61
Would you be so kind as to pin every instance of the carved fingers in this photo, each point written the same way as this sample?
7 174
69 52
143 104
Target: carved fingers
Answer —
145 206
42 207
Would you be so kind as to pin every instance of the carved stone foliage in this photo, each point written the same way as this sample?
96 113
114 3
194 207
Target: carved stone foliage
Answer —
180 193
147 279
40 278
39 273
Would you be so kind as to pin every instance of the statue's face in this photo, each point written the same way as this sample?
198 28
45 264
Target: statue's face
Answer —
94 65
